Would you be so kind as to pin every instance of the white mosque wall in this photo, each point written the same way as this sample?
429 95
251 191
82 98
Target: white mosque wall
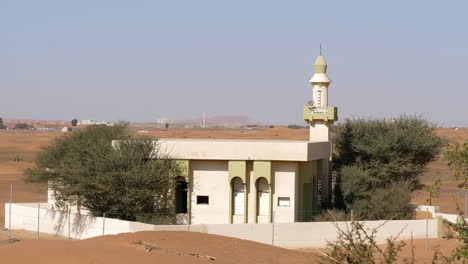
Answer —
210 178
284 195
319 131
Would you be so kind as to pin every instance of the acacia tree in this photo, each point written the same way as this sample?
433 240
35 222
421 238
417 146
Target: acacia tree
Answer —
382 158
2 126
433 190
23 126
457 158
121 181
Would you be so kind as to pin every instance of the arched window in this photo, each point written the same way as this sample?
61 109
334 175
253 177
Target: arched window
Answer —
181 195
238 196
263 197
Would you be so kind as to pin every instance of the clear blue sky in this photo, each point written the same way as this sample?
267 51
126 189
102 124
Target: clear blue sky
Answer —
141 60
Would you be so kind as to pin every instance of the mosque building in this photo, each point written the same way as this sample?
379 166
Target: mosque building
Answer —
258 181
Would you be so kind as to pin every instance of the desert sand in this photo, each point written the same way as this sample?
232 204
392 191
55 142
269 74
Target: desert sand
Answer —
180 247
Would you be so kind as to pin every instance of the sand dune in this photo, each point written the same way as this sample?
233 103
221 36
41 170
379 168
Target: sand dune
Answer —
179 247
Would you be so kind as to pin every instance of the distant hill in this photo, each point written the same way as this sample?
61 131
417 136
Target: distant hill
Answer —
222 121
36 123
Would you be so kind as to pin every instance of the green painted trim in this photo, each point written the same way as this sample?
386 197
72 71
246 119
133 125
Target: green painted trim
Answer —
231 201
237 168
307 204
326 199
255 209
185 168
320 176
246 199
271 202
326 113
262 169
187 174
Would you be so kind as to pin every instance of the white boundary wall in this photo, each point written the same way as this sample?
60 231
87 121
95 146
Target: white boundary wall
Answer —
290 235
435 211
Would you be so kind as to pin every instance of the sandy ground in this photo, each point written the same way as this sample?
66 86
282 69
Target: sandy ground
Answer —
123 249
178 247
24 235
25 145
451 196
421 254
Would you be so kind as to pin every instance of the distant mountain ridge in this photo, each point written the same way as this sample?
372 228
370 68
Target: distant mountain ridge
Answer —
223 120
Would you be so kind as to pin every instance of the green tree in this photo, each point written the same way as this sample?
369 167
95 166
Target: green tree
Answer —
433 190
23 126
74 122
123 181
379 154
457 159
2 126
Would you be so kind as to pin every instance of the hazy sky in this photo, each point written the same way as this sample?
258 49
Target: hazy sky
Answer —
141 60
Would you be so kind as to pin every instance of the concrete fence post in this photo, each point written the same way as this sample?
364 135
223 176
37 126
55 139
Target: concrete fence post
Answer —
38 217
9 211
440 226
273 228
427 228
69 220
466 203
103 223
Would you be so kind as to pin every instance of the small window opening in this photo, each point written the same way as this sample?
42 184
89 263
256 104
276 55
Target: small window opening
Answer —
283 201
319 98
203 199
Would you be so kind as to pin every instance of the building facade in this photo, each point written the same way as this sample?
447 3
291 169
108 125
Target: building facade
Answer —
257 181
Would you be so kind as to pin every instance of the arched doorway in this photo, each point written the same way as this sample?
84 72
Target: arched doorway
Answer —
263 200
181 195
238 197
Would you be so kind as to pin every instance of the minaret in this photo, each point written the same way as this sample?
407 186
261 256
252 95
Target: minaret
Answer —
318 114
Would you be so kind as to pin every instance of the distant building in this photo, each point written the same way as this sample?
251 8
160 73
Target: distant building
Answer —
164 122
45 129
94 122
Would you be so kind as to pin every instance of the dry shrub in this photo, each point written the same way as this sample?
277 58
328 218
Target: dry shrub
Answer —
358 245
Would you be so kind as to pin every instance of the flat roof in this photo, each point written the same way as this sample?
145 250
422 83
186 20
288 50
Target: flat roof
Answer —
237 140
236 149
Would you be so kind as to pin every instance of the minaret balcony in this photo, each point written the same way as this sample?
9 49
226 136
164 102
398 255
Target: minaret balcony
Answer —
323 113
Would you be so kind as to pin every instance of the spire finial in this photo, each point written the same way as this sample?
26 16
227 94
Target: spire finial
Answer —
320 48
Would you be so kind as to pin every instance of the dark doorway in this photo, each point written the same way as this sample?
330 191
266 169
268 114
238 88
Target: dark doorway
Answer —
181 197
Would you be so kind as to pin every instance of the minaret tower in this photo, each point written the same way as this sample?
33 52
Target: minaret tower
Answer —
318 114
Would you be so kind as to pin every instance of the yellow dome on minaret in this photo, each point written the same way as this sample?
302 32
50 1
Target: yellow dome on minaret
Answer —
320 65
